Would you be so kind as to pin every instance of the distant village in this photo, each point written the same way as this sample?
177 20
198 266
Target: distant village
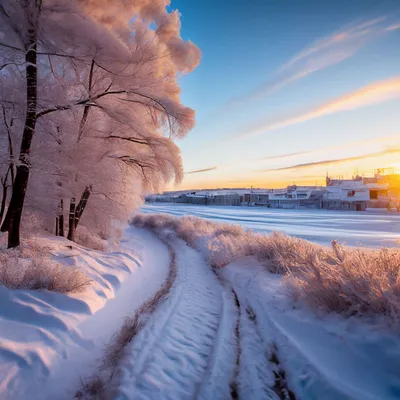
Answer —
357 194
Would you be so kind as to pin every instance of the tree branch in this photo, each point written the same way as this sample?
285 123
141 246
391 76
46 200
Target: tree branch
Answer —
87 107
11 47
129 139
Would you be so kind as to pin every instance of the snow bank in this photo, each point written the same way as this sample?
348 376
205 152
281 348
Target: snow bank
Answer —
325 357
344 280
48 340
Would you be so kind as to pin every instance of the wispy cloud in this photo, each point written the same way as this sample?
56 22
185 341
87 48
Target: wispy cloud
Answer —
371 94
357 144
390 150
198 171
322 54
287 155
388 139
393 27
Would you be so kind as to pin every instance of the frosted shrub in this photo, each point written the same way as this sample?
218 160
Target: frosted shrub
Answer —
283 253
31 268
338 279
31 224
90 240
351 282
222 250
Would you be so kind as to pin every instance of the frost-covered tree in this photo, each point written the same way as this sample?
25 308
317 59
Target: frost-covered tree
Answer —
101 105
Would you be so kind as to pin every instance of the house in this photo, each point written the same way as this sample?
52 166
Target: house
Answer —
346 194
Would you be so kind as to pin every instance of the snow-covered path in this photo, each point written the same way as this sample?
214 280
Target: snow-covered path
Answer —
187 349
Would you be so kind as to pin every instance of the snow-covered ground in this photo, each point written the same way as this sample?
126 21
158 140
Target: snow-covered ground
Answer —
324 357
50 341
216 334
370 229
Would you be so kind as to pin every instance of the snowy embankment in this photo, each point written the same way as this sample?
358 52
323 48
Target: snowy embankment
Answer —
50 341
324 356
284 348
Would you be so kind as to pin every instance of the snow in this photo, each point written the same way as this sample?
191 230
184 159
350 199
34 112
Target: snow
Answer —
49 341
215 333
187 348
324 356
371 229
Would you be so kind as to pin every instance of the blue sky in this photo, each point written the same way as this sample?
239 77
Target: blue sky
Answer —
313 82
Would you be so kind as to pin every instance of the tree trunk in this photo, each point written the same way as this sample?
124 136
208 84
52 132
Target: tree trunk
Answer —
82 204
12 220
71 227
3 201
61 219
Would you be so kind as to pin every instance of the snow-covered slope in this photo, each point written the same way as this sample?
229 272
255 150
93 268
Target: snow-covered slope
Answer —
324 357
50 341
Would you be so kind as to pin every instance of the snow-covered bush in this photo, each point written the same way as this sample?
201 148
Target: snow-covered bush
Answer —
92 241
31 267
337 279
349 281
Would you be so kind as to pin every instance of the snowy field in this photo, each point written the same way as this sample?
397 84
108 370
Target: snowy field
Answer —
370 229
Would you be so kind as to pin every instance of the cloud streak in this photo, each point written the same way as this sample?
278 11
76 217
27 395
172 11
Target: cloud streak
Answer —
198 171
391 150
356 144
371 94
287 155
324 53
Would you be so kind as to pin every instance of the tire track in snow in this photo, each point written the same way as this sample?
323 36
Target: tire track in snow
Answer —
307 379
221 370
255 379
184 351
289 366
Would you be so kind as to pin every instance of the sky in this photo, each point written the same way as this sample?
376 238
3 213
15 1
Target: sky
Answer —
288 91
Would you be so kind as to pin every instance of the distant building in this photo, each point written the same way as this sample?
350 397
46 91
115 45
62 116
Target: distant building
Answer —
346 194
384 188
355 194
